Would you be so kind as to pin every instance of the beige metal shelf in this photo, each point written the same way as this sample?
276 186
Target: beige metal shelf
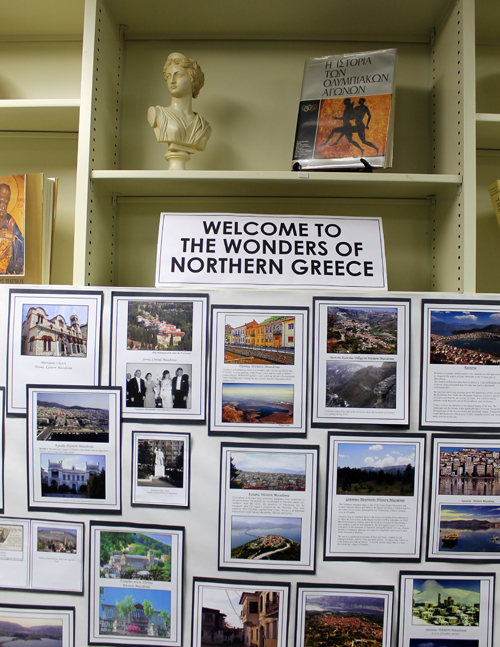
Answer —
39 115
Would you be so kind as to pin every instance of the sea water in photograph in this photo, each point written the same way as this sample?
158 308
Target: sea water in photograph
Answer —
364 331
269 538
361 385
446 602
469 471
344 620
470 528
465 337
23 631
265 404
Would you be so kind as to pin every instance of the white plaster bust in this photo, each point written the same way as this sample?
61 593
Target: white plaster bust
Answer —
183 130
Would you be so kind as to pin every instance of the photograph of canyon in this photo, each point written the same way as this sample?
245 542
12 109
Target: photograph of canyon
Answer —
361 385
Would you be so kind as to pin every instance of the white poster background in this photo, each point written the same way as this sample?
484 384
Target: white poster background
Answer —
2 432
193 362
261 504
31 369
221 249
323 415
14 553
57 571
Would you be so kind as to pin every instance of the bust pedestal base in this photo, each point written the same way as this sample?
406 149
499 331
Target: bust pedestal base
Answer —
178 155
159 470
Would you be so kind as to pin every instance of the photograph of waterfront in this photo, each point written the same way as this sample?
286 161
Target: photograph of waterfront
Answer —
465 337
254 339
366 331
160 325
362 385
257 403
469 471
446 602
73 417
25 631
344 620
470 528
376 469
269 538
267 471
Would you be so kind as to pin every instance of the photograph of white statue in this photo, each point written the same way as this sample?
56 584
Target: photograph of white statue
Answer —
177 125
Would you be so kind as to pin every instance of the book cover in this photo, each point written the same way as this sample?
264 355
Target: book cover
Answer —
346 112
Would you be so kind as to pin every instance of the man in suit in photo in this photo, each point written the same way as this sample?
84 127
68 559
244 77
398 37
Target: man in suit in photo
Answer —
180 389
136 390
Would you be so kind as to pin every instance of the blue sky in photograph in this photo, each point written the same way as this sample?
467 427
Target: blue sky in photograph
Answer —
88 399
481 512
66 311
159 599
474 318
344 603
283 392
271 462
463 591
333 309
235 321
378 455
78 460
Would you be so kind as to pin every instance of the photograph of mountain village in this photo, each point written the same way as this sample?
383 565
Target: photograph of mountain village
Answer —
464 337
268 471
267 341
73 417
160 325
343 620
469 471
135 556
362 330
446 602
56 540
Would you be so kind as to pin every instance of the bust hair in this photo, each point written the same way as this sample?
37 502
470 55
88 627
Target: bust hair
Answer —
193 69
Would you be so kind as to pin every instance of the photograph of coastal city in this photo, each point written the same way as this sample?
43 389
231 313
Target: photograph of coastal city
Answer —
160 325
443 642
465 337
268 538
259 340
73 476
360 330
266 404
73 417
469 471
361 385
134 612
344 620
446 602
54 330
56 540
135 556
376 469
29 631
469 528
237 616
267 471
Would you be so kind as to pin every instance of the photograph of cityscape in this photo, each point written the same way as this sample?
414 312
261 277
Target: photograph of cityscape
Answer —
443 642
238 616
25 631
56 540
250 340
470 528
367 331
54 330
73 417
160 325
469 471
361 385
168 455
267 471
269 538
344 620
446 602
376 469
465 337
71 476
134 612
135 556
265 404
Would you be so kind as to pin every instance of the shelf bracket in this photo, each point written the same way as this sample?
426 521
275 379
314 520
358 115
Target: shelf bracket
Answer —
114 200
433 202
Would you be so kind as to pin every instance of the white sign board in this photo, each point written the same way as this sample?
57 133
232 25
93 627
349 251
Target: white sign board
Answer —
215 249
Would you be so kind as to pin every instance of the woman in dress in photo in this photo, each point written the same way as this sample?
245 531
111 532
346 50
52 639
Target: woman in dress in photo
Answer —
166 390
150 399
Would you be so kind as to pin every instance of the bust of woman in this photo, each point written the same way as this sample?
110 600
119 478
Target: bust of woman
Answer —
183 130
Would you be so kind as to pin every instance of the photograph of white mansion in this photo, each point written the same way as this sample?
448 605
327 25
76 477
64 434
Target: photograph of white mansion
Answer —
52 336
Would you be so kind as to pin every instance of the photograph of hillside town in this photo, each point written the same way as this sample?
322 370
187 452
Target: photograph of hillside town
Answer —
23 631
343 620
471 471
446 602
266 404
361 385
54 331
366 331
134 612
160 325
268 471
240 617
470 528
269 538
168 454
73 476
56 540
443 642
376 469
73 417
464 337
135 556
267 341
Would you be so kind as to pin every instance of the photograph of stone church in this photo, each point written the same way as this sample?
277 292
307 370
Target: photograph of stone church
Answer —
54 331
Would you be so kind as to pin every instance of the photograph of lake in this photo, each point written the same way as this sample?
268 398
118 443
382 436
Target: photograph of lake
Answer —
465 337
469 471
362 330
470 528
24 631
266 538
257 403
